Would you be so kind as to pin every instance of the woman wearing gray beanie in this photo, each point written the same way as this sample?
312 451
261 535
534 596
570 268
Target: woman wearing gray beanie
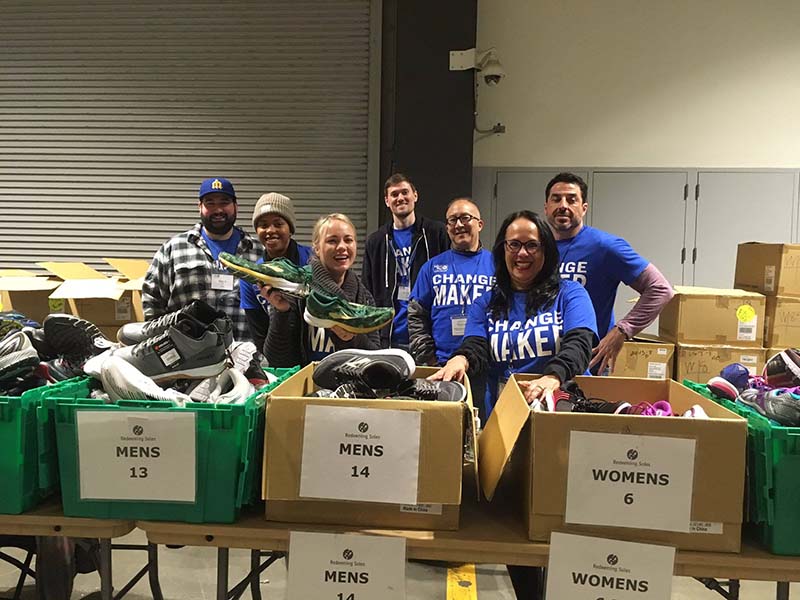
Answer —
274 222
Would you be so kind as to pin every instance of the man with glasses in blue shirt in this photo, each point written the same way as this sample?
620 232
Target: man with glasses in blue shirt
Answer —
186 267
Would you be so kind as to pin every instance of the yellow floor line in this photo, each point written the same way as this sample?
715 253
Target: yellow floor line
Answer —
462 583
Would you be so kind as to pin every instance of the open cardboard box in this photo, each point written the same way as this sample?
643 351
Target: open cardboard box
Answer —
108 302
29 294
447 431
537 473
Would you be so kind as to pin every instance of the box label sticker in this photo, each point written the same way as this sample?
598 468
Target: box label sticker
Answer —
422 509
769 278
367 454
656 370
137 455
661 351
705 527
56 305
621 480
748 359
588 568
746 330
122 309
346 567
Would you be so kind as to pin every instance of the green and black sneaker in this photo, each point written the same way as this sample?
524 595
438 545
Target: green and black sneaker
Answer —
331 311
282 274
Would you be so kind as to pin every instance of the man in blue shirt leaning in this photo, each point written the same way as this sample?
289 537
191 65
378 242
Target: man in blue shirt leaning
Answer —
600 262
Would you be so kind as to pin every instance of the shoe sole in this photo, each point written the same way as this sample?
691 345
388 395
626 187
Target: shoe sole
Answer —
328 323
284 285
73 338
197 373
16 363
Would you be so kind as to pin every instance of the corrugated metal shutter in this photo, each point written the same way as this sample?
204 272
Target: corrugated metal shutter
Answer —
111 114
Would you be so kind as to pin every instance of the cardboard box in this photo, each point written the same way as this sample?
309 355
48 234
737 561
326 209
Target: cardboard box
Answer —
540 443
697 315
782 322
28 294
701 363
445 429
108 302
772 269
645 358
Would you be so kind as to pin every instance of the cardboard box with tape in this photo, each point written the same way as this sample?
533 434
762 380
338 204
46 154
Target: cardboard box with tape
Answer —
782 322
645 358
666 480
701 363
771 269
29 294
366 463
706 316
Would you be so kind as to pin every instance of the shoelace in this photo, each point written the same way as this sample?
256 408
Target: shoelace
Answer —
163 321
353 390
422 389
147 344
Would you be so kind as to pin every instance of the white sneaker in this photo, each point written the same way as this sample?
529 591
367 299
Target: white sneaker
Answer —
696 412
122 381
94 366
242 354
232 388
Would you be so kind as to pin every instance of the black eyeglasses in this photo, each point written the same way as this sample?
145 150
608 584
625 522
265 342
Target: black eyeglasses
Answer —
514 246
463 219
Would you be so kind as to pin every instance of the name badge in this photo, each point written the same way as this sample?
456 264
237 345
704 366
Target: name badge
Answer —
404 292
458 324
221 281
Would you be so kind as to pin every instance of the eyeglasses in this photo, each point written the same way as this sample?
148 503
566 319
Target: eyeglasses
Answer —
514 246
463 219
215 203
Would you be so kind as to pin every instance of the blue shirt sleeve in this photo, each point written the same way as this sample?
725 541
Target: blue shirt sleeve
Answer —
577 308
423 290
478 318
623 261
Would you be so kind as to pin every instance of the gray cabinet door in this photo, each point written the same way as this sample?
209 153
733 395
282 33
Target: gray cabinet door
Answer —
521 190
734 207
648 209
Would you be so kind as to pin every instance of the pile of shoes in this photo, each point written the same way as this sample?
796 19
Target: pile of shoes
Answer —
322 310
571 398
379 374
775 394
190 350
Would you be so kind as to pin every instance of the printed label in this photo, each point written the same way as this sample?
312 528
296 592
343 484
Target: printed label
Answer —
705 527
746 331
122 309
422 509
656 370
661 351
769 278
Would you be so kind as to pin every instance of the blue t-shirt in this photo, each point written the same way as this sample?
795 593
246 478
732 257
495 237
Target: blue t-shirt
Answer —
446 286
401 246
525 345
216 246
251 294
600 261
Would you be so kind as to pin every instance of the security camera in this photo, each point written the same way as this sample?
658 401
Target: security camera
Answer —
492 71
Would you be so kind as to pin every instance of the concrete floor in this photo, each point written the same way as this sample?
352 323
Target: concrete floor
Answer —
190 573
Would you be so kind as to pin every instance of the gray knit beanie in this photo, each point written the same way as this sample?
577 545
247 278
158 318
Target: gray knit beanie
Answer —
275 203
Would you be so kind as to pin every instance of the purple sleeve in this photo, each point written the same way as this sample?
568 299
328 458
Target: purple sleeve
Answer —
655 292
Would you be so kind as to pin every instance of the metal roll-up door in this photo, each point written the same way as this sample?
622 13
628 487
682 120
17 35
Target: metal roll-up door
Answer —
111 114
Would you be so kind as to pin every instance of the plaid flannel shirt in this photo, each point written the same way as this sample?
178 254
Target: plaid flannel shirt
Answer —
181 272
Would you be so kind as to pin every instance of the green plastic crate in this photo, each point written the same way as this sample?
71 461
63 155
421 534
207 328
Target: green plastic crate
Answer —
229 444
773 467
18 464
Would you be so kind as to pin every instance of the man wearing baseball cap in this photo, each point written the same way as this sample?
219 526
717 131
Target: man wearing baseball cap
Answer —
186 267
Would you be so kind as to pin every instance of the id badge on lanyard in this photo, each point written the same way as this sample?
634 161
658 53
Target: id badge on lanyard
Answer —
221 279
458 324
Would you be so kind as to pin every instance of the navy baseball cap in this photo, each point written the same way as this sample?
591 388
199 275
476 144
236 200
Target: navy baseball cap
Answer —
217 185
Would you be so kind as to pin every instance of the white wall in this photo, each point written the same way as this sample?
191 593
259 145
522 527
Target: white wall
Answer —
642 83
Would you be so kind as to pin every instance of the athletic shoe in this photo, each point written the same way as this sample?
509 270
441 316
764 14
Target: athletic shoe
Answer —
737 375
780 405
783 369
423 389
322 393
39 340
122 381
374 369
134 333
58 369
332 311
12 320
696 412
73 337
189 349
660 408
723 388
280 273
18 357
231 387
570 398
